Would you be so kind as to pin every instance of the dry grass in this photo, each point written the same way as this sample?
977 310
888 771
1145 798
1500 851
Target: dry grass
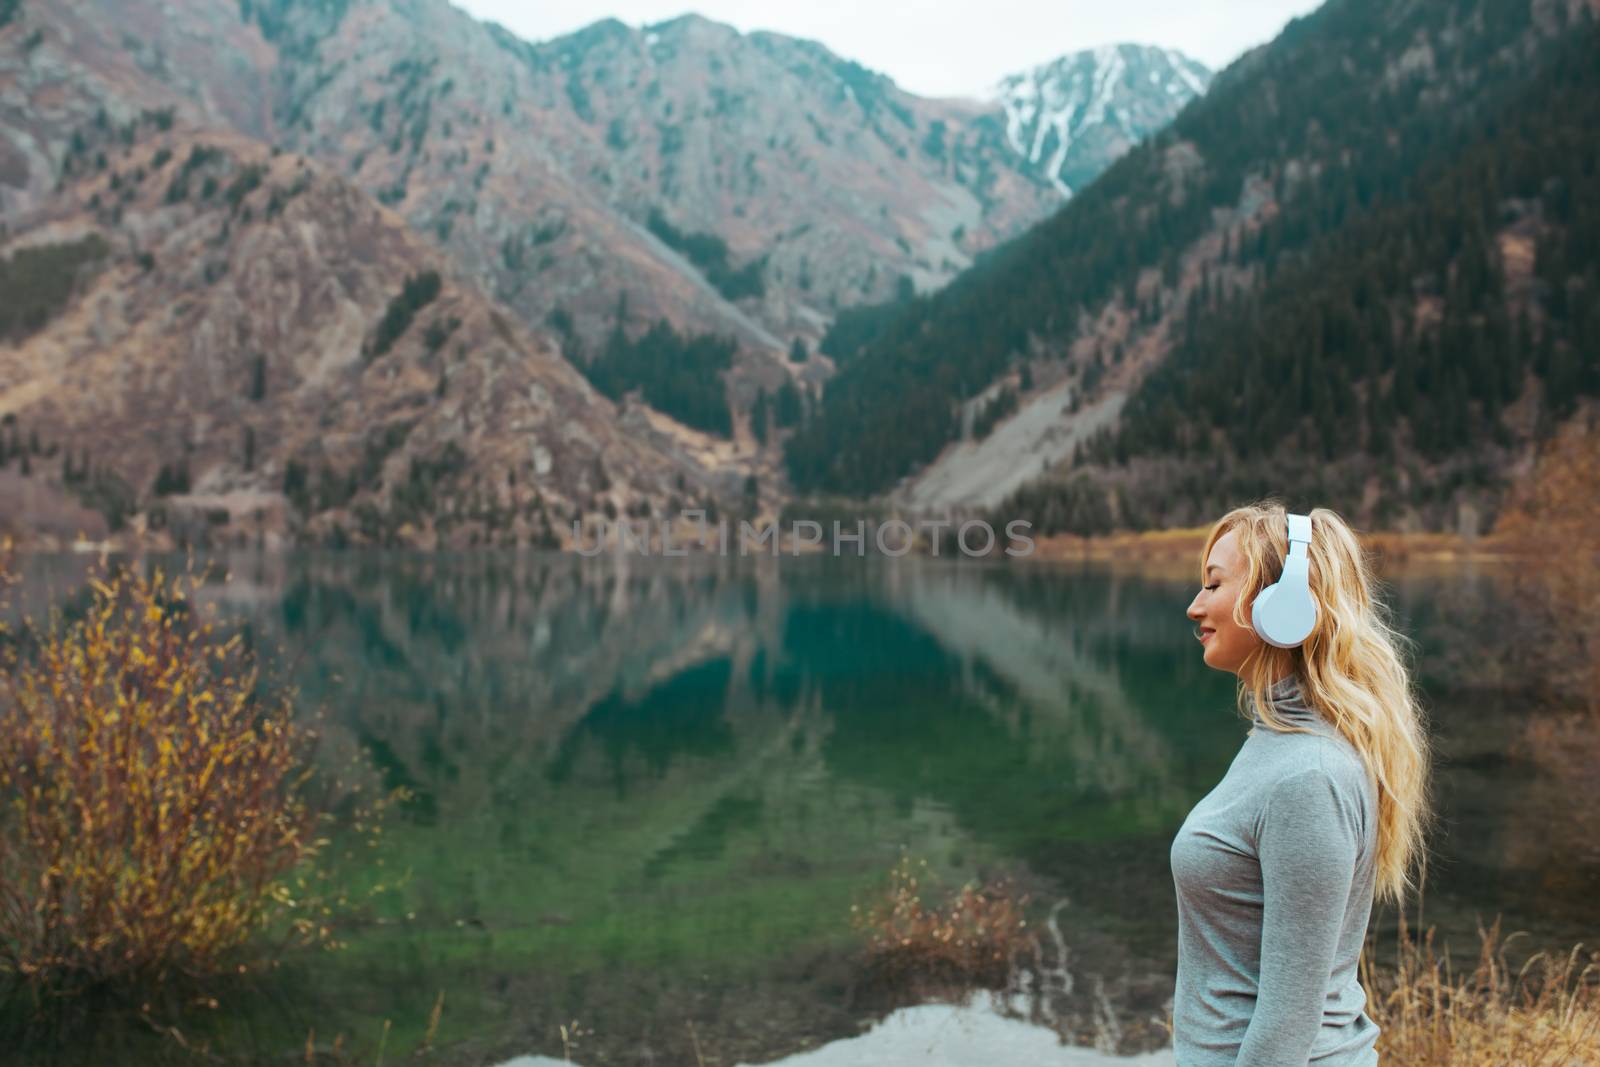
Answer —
969 938
1432 1014
338 1054
157 813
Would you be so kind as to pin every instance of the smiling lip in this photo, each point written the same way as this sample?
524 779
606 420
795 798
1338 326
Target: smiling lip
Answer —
1205 633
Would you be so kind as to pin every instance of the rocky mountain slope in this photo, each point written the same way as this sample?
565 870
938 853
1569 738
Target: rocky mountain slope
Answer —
244 346
565 172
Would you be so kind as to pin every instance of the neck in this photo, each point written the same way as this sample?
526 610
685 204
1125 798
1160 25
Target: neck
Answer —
1286 697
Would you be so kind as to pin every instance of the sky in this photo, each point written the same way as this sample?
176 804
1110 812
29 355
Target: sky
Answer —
941 47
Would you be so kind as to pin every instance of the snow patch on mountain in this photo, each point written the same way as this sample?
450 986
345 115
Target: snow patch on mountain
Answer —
1071 117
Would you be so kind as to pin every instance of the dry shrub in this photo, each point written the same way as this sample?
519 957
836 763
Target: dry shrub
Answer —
969 939
1552 520
154 806
1546 1012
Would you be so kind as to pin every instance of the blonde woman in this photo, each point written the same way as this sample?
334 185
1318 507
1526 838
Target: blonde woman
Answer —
1322 810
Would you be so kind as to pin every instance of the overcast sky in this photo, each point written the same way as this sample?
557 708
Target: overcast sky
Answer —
941 47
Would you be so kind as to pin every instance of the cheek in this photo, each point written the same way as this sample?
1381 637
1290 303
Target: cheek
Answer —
1222 608
1227 629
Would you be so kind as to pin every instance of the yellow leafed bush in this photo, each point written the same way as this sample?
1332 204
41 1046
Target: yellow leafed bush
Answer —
152 802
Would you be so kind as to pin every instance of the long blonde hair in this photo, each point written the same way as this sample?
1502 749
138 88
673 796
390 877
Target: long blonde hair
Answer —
1351 669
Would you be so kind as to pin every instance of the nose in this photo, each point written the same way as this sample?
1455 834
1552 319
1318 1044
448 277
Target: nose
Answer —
1194 611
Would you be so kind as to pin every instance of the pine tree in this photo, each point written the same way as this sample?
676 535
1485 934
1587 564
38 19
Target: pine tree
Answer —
758 416
787 405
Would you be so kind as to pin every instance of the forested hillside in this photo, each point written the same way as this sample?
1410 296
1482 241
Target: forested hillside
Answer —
1380 216
1393 346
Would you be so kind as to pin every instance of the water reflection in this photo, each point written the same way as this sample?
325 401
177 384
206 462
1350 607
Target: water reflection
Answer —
648 791
684 715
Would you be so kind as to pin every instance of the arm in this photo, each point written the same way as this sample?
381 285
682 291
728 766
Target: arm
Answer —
1308 847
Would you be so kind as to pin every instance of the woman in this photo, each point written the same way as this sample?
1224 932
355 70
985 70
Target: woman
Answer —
1322 809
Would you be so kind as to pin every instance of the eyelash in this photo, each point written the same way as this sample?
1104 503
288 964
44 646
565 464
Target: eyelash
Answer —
1212 586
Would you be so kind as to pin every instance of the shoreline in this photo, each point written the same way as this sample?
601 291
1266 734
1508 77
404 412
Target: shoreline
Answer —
1185 544
1168 546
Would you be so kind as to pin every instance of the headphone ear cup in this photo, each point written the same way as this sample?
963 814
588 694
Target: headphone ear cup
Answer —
1286 620
1258 609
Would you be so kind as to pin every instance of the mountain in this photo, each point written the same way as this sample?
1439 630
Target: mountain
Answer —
233 341
679 211
1359 271
741 184
1073 117
744 183
564 173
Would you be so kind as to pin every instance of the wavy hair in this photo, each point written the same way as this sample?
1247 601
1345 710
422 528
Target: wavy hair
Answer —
1351 668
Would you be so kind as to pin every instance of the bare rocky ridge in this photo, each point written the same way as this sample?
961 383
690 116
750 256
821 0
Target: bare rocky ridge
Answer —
240 324
540 165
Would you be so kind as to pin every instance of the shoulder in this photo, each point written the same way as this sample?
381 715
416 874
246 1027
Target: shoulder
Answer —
1337 758
1326 772
1322 751
1326 787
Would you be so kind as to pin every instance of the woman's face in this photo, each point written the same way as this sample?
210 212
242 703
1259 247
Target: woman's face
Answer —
1226 643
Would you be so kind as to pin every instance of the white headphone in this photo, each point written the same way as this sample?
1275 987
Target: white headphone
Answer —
1284 614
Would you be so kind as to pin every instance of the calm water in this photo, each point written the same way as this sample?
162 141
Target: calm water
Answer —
646 795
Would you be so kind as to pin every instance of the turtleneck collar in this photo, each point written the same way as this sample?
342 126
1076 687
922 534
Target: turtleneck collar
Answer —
1289 703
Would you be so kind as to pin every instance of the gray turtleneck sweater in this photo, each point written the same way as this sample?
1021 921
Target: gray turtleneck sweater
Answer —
1274 876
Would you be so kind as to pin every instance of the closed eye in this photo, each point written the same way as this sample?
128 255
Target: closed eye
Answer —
1213 586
